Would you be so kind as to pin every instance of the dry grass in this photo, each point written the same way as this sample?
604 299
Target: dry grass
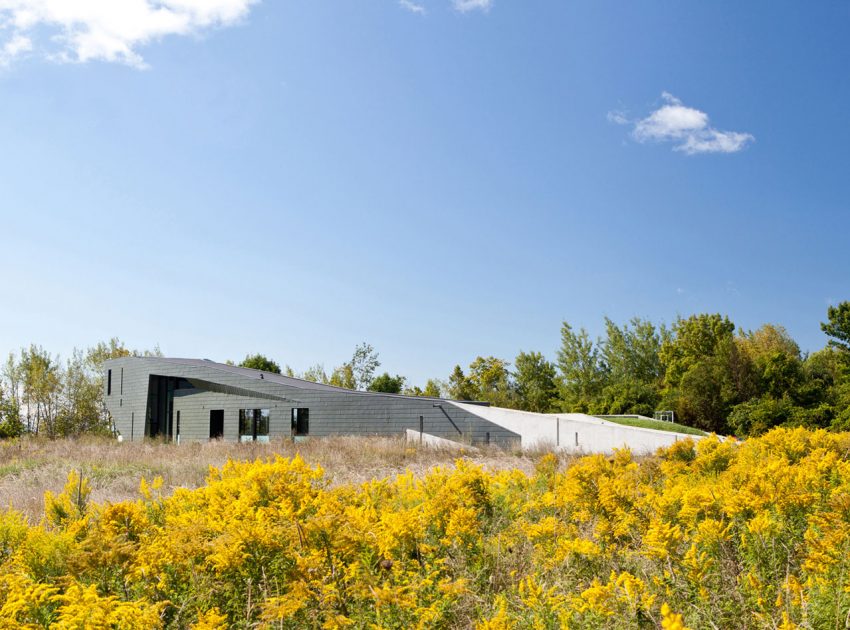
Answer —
29 467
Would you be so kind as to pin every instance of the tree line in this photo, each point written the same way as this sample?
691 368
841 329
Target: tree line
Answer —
709 373
42 395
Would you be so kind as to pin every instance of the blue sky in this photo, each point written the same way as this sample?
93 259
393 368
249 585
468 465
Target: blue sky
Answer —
296 177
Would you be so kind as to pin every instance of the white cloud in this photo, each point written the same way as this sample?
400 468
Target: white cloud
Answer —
472 5
413 7
687 128
78 31
13 47
618 118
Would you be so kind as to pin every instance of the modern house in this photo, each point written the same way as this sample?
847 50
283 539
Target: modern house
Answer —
194 400
197 400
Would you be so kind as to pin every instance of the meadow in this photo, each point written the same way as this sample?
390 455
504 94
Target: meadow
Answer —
376 534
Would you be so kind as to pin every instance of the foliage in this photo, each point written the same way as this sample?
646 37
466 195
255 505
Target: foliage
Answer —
705 534
460 387
363 364
535 382
838 326
433 388
260 362
627 397
43 396
582 369
316 374
358 372
713 377
11 425
631 353
343 376
492 381
387 384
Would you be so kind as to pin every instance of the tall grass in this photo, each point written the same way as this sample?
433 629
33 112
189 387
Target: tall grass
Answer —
29 467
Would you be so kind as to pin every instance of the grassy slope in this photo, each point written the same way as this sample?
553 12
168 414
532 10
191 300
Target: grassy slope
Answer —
658 425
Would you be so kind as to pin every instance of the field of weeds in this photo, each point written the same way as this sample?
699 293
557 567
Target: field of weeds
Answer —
701 535
30 467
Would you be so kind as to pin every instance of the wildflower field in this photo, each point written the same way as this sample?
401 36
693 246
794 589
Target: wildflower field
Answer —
709 534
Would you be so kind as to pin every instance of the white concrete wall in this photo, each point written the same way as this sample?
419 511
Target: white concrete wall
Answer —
426 439
575 432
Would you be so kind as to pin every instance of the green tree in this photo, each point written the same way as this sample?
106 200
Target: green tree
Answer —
83 409
492 381
433 389
632 353
387 384
628 397
837 328
759 415
260 362
316 374
460 387
775 359
11 375
364 362
582 371
631 356
10 419
359 371
693 340
707 392
112 349
343 376
41 375
841 406
535 382
706 372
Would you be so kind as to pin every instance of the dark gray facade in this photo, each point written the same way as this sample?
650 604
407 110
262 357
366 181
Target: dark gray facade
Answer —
191 400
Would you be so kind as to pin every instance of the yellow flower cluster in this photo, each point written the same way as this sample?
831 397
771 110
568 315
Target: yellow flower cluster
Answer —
707 534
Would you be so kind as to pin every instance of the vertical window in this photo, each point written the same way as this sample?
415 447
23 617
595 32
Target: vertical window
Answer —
217 424
261 417
122 381
246 425
178 426
109 382
300 422
254 425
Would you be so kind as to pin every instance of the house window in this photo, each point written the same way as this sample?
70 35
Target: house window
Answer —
217 424
254 425
300 422
109 382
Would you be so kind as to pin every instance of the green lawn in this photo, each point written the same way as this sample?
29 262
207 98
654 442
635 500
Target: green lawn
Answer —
659 425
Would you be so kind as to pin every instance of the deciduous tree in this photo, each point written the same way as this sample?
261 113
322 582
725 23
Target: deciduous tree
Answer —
582 371
260 362
387 384
535 382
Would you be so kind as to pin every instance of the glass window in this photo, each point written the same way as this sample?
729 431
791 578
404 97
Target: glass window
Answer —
254 425
300 421
262 420
246 425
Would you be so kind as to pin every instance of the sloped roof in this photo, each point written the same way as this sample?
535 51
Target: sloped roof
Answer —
271 377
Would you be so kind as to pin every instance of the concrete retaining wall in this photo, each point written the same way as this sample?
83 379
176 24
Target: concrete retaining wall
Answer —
575 432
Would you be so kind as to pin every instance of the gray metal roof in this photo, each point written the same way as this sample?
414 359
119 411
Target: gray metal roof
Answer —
271 377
